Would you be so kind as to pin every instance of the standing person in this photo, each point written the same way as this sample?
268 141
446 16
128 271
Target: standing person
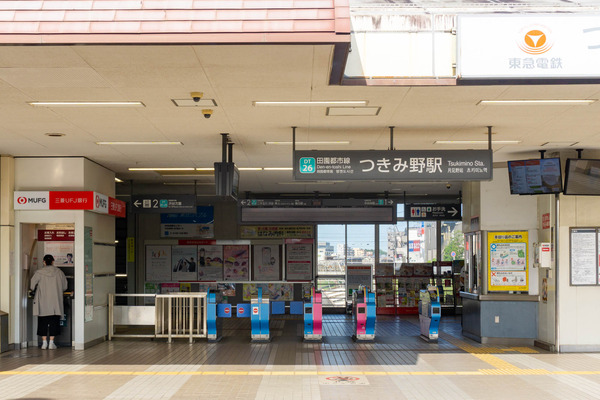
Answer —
48 301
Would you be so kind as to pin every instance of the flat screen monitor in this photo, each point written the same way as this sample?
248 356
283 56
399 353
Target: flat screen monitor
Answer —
538 176
582 177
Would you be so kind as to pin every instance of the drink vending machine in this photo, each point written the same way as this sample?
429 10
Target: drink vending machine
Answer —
313 317
364 313
259 317
430 313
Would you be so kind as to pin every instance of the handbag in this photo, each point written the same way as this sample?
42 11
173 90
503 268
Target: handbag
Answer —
31 292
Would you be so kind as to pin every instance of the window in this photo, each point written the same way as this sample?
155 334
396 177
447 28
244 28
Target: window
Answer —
393 244
331 248
453 241
422 243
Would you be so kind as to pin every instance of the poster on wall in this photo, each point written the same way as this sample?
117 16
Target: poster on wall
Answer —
184 263
169 287
150 288
299 261
210 263
507 261
158 263
62 252
273 291
236 262
307 291
266 264
584 257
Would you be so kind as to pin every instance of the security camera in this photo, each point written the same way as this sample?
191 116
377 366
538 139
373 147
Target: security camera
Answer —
196 96
448 186
207 113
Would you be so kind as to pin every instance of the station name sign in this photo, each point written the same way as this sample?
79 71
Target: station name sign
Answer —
393 165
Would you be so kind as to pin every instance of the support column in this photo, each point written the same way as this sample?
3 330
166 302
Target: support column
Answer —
7 229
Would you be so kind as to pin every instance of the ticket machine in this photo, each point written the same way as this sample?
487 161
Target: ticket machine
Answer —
430 313
259 317
363 312
313 317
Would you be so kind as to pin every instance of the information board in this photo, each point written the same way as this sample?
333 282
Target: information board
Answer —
158 263
267 262
299 261
584 257
508 261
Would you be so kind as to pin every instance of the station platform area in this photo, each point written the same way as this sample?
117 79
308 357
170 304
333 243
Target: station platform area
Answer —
398 364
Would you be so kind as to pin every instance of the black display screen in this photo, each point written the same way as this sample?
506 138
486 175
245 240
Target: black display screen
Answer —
538 176
582 177
361 310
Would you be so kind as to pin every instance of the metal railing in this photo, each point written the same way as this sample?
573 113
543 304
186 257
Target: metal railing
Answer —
174 315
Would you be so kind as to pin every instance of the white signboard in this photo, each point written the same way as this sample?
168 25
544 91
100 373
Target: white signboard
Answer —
158 263
32 200
299 263
267 263
528 46
584 264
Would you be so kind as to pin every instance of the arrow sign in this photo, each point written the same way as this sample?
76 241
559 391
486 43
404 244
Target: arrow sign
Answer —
165 203
137 203
432 212
453 211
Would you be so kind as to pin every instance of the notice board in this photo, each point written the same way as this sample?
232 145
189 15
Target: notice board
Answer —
508 262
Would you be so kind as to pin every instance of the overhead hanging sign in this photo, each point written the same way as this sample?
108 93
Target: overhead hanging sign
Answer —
432 212
164 203
528 46
396 165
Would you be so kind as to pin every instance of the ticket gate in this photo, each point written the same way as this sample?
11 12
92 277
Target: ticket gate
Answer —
363 312
259 318
214 310
430 313
313 317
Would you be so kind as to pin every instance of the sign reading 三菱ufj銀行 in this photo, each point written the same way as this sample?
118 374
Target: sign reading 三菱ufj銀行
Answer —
533 46
508 261
397 165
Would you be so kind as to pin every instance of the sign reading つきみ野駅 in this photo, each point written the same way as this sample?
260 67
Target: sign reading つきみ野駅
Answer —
508 264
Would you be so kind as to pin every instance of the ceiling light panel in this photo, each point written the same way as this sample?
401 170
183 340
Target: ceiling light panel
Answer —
476 142
139 143
539 102
315 142
86 104
323 103
160 169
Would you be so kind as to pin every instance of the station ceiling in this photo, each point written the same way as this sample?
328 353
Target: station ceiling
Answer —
237 75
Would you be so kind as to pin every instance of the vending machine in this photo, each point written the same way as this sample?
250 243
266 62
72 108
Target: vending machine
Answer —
313 317
430 313
364 314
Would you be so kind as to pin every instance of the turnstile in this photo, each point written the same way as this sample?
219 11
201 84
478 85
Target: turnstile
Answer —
214 324
259 317
364 313
430 313
313 317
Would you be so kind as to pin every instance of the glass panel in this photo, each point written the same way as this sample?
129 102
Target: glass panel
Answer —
453 241
331 248
393 244
400 210
422 245
333 291
361 244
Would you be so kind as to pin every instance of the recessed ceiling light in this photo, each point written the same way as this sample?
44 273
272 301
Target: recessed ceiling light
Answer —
278 168
316 103
54 134
250 169
315 142
118 180
476 142
86 104
205 169
574 102
139 143
161 169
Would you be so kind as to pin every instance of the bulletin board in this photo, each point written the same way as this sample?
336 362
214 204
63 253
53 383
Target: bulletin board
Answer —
508 261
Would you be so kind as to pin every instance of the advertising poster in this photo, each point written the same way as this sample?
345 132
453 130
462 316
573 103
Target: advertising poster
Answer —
236 259
210 263
267 262
306 291
276 231
584 256
166 288
158 263
299 261
274 291
184 262
178 225
228 289
507 261
357 275
62 253
150 288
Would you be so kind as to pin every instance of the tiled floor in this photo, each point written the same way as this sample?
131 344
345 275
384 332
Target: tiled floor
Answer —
397 365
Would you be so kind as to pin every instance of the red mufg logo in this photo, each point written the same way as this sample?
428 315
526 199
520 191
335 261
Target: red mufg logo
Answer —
21 200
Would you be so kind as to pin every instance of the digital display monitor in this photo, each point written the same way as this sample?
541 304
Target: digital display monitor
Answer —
582 177
361 310
538 176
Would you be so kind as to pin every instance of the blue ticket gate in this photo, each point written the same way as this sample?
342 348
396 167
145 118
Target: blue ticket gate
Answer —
430 313
364 314
214 312
313 317
259 317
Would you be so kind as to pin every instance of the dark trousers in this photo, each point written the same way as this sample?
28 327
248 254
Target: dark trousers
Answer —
48 325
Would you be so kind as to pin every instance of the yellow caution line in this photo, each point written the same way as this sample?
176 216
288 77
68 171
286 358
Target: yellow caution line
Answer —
492 371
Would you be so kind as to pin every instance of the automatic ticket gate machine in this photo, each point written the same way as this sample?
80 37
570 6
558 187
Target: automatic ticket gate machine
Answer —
363 312
313 317
259 318
214 324
430 313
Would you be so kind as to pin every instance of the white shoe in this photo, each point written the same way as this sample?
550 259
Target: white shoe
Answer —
52 346
44 345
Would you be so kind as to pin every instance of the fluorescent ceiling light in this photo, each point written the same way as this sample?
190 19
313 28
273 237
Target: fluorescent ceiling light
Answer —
582 102
118 180
139 143
309 183
250 169
322 103
161 169
205 169
278 168
476 142
315 142
86 104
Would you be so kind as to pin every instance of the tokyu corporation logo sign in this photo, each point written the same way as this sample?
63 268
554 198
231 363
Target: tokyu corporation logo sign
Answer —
32 200
535 40
307 165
